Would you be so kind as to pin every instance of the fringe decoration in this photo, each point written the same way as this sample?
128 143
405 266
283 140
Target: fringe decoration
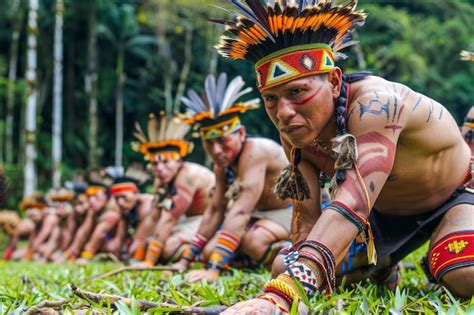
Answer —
291 183
233 192
345 146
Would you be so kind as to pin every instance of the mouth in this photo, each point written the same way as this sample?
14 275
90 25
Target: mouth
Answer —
292 129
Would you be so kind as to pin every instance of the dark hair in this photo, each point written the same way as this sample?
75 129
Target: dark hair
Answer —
341 104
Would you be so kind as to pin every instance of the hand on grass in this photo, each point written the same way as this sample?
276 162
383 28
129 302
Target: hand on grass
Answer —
210 275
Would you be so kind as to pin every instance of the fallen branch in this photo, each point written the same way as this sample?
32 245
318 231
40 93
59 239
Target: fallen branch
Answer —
143 304
51 304
130 268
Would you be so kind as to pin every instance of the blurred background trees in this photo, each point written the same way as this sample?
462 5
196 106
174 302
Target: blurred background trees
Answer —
123 59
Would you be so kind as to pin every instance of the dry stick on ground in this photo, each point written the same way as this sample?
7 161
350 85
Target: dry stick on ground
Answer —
130 268
143 304
51 304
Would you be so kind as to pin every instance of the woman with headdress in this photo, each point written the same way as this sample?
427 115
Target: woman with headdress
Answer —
397 162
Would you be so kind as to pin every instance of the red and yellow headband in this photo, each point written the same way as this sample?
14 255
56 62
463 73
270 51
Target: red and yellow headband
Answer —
165 150
226 122
120 188
220 128
293 63
94 190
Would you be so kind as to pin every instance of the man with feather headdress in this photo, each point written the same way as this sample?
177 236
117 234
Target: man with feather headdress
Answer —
182 189
60 208
27 228
99 203
398 163
122 230
244 216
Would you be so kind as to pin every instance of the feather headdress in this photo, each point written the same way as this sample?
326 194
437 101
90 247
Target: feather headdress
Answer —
36 200
467 55
165 138
217 112
60 195
289 39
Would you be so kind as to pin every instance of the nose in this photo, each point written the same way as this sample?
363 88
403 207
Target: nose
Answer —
159 167
216 148
285 110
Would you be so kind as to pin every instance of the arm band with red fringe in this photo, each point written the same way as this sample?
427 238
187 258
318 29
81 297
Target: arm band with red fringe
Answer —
455 250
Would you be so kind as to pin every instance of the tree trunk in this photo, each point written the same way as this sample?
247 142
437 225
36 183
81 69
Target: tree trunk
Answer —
32 98
12 68
119 106
58 94
185 69
214 58
359 53
164 51
91 83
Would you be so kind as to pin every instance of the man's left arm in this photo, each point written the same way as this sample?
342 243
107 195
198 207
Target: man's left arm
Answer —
252 178
376 121
144 228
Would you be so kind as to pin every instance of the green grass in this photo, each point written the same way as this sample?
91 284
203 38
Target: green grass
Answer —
23 285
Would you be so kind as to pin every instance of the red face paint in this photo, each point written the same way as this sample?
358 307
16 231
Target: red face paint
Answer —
308 98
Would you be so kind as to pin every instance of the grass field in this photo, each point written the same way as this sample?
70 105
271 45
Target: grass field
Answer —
24 285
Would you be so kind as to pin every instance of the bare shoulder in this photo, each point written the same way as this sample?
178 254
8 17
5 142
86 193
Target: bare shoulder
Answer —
111 205
146 197
196 169
378 103
261 148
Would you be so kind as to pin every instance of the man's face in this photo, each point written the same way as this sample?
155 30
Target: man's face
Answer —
166 170
81 205
34 214
62 209
126 200
223 150
301 108
98 201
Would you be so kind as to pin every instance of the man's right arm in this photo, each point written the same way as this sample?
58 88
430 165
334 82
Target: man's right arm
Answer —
48 224
310 209
82 234
214 214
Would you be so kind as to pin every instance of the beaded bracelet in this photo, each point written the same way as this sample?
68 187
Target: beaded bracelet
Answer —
193 248
224 250
283 289
87 254
280 294
329 262
273 301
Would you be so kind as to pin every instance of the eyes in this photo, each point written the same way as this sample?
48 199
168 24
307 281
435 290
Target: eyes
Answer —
291 94
295 92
